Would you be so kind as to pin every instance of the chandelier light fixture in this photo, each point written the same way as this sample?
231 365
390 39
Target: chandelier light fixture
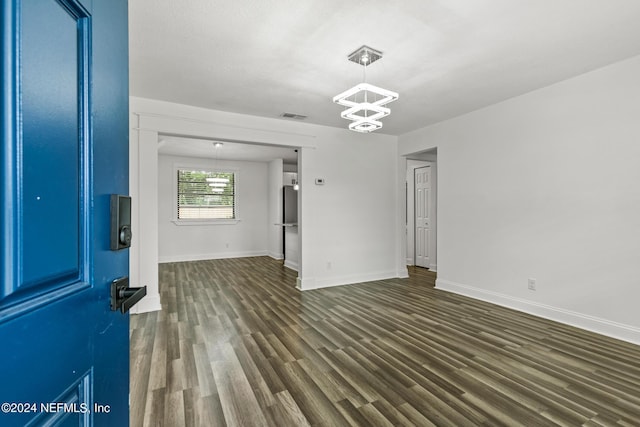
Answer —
365 102
217 184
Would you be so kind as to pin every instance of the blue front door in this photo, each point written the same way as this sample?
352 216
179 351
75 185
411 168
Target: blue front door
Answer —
64 355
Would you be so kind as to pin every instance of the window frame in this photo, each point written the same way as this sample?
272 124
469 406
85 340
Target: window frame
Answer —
204 221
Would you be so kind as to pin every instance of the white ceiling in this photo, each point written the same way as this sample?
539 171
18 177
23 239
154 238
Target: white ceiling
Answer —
445 58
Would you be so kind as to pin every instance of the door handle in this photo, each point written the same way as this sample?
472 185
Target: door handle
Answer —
123 297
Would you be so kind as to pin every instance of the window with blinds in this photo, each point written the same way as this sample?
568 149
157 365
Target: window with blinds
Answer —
206 195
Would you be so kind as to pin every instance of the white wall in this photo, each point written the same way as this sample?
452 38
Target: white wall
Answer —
275 209
352 217
288 167
143 178
347 227
546 186
247 237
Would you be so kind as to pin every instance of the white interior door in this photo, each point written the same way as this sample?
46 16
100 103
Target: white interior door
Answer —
422 178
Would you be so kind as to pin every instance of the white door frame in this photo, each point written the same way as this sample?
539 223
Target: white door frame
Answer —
410 211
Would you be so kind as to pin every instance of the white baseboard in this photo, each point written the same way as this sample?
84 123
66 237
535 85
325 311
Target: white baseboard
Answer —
147 304
276 255
290 264
316 283
591 323
304 283
433 267
202 257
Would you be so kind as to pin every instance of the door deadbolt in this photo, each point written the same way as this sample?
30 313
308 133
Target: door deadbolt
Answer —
120 222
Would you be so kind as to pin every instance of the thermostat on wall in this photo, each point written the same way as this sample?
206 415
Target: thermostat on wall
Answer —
319 181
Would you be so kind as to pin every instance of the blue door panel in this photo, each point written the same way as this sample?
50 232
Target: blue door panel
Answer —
65 150
44 355
52 141
111 175
46 153
72 407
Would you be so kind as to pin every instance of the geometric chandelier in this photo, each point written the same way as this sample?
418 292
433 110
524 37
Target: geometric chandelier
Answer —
366 102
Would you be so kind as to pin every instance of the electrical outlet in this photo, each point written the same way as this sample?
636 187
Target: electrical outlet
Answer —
531 284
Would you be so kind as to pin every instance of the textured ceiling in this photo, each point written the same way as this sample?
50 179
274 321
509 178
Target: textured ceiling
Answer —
445 58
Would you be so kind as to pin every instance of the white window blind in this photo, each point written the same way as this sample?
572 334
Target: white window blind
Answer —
206 195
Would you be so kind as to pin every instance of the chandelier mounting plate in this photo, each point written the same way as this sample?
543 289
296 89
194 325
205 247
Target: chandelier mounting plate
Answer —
365 56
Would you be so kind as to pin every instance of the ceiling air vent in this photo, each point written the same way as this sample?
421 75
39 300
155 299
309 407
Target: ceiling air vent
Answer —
293 116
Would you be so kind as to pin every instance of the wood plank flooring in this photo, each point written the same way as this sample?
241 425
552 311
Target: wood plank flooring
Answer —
237 345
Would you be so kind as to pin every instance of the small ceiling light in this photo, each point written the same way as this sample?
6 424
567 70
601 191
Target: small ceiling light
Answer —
218 144
365 102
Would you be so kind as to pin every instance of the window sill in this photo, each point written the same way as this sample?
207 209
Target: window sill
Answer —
182 222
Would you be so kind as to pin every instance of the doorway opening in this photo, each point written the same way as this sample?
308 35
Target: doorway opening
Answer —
261 172
421 209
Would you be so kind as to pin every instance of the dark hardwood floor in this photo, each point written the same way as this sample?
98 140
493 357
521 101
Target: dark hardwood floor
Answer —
236 344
